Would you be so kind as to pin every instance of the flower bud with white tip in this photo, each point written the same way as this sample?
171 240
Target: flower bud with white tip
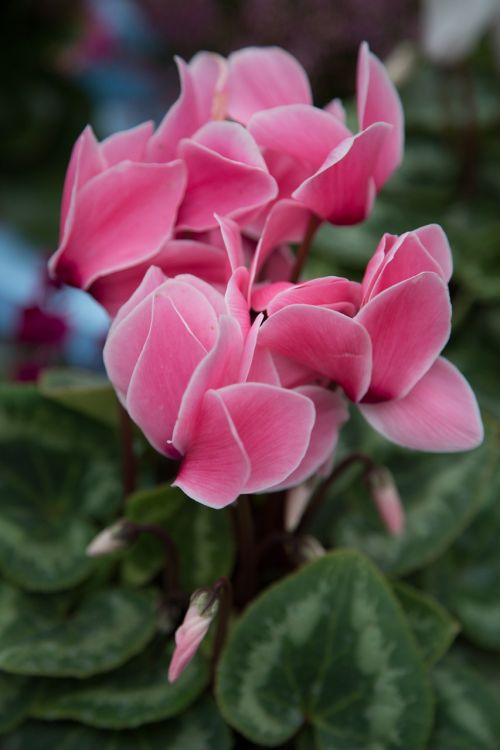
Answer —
308 549
203 608
112 539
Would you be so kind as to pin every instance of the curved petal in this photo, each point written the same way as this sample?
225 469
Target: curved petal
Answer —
220 367
331 413
124 344
86 161
328 292
262 294
175 257
181 121
409 324
439 414
216 466
287 220
152 279
219 184
406 258
304 133
274 426
209 73
435 241
378 101
168 359
263 77
231 236
121 217
127 145
343 189
236 299
323 340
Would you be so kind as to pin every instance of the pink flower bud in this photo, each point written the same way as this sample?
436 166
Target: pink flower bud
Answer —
387 500
190 634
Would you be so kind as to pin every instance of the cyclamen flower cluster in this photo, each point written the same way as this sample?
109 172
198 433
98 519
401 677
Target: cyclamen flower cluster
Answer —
182 233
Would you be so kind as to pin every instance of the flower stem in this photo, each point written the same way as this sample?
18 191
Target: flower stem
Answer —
305 246
247 553
320 494
222 588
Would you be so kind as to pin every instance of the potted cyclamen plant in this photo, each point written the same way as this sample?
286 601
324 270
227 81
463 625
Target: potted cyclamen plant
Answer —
241 376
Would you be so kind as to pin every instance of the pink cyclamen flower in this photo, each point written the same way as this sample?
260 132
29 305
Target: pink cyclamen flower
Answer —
190 634
386 356
311 152
181 358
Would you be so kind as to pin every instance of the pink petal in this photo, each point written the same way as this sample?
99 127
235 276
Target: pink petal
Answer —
152 279
331 413
436 243
286 220
125 342
169 357
262 367
249 350
406 258
304 133
376 262
236 299
328 292
86 162
262 294
229 183
439 414
216 467
181 121
121 217
336 109
343 189
231 236
264 77
220 367
292 374
215 297
209 72
274 426
127 145
323 340
408 323
378 101
176 257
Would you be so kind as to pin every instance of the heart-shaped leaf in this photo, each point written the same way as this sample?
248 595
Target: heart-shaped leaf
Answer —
16 697
431 624
106 629
198 728
468 713
327 646
81 390
137 693
202 535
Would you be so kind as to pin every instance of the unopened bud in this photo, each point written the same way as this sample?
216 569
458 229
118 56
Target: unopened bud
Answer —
114 538
308 549
296 502
387 500
202 609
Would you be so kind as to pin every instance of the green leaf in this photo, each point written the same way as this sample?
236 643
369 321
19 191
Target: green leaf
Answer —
468 713
81 390
199 728
107 629
431 624
203 537
16 697
53 486
137 693
466 578
328 646
440 494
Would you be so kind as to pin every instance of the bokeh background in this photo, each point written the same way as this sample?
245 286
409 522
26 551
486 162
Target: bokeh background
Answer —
110 62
